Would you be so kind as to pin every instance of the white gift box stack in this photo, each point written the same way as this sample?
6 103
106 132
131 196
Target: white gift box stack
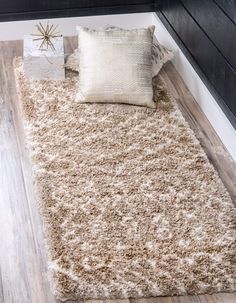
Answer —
46 63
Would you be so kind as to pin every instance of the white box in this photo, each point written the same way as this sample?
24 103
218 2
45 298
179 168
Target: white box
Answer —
43 64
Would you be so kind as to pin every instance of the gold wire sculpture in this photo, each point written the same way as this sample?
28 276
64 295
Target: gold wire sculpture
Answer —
46 34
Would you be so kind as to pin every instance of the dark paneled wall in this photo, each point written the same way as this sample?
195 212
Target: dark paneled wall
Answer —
32 9
229 7
206 32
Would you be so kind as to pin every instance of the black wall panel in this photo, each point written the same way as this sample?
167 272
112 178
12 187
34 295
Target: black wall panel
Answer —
32 9
207 36
33 5
228 7
217 26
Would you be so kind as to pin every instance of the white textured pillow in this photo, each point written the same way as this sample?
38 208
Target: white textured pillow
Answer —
115 66
160 55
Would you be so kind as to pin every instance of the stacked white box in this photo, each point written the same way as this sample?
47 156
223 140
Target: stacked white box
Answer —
43 64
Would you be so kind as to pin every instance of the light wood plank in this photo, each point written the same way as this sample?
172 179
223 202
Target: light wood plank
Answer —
207 299
152 300
224 297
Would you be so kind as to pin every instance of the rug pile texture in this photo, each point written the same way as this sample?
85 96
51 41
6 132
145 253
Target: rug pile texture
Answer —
131 205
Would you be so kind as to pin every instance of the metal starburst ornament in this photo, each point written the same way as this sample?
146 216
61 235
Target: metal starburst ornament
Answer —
46 34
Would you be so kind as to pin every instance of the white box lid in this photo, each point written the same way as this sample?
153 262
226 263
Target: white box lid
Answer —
31 47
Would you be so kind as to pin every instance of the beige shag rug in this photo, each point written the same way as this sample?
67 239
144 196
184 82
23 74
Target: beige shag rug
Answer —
130 203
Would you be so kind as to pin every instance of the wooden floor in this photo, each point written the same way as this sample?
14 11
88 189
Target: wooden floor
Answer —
23 275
